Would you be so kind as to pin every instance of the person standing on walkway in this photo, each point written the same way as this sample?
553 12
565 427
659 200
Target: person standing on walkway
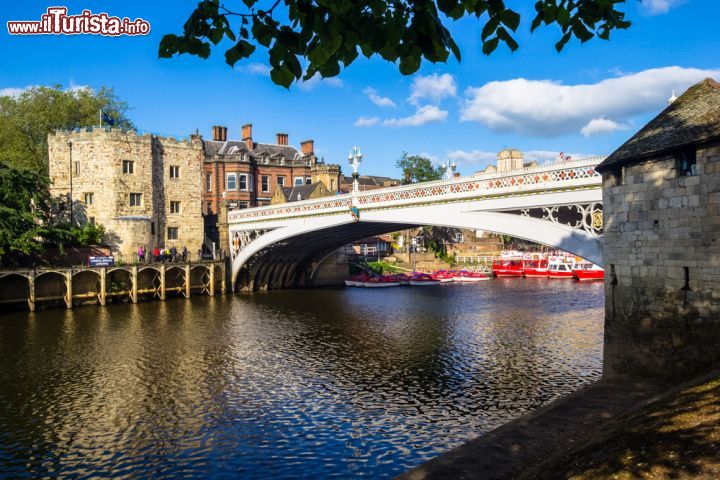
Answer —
156 254
141 255
184 254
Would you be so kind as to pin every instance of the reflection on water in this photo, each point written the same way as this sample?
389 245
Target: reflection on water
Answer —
305 383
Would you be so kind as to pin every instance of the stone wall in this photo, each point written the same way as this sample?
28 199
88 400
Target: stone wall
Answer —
93 159
662 259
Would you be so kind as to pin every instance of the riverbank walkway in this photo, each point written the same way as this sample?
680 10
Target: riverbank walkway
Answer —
618 427
74 285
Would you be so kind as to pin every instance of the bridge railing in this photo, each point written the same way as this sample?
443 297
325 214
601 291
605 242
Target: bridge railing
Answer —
561 175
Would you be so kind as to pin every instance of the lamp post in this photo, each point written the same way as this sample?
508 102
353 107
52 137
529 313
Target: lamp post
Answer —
71 182
355 159
449 168
414 249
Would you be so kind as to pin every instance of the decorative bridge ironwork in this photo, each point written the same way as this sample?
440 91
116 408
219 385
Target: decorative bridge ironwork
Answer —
557 204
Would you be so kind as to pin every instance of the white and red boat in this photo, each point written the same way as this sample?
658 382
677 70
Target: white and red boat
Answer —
586 271
381 282
535 268
464 276
444 276
423 279
357 280
508 267
560 268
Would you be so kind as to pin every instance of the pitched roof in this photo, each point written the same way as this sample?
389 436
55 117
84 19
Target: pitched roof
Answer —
692 119
214 147
299 192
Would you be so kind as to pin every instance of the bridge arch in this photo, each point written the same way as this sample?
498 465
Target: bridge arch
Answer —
302 241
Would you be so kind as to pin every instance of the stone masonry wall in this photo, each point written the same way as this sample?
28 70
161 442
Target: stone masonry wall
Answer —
99 154
662 263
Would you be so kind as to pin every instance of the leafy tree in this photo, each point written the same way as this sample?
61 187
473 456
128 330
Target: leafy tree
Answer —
24 207
26 120
417 169
327 33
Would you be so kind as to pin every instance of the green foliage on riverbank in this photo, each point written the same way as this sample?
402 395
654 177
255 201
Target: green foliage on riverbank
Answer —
26 219
383 268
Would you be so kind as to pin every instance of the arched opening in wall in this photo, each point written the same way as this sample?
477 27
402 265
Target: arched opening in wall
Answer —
119 285
14 292
148 283
50 289
218 277
174 281
86 287
200 279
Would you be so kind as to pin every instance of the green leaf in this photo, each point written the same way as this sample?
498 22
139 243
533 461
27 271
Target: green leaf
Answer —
242 49
282 76
507 38
511 19
489 46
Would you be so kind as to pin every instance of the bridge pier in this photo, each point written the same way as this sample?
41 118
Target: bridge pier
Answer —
31 291
68 289
102 294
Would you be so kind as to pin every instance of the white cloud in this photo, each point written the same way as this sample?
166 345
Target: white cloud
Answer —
472 157
598 126
551 108
423 115
255 69
17 91
378 100
14 91
366 121
656 7
432 88
317 80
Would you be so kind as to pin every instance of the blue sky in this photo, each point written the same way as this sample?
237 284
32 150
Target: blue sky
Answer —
586 100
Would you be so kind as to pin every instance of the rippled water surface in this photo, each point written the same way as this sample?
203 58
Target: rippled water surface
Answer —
307 383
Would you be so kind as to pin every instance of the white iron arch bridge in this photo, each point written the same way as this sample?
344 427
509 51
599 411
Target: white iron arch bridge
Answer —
558 205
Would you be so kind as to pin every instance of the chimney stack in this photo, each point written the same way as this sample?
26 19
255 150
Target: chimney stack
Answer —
307 147
282 139
219 134
247 135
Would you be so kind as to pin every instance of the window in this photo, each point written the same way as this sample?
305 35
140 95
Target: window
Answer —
209 209
243 182
686 162
174 206
243 205
308 181
88 199
208 182
135 199
77 167
128 167
172 233
265 183
152 228
91 220
231 181
332 185
299 181
174 171
281 181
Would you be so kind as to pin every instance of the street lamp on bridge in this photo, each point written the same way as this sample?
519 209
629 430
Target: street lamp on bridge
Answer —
355 159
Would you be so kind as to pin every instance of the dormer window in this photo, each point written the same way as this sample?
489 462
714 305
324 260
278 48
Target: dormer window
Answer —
233 150
686 162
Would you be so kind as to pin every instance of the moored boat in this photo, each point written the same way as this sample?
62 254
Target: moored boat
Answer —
444 276
381 282
470 277
587 271
356 280
423 279
507 266
535 268
560 268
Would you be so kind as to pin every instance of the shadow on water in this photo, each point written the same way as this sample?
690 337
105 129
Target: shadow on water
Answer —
309 383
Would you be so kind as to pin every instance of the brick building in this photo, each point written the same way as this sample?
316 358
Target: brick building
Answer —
245 173
142 188
661 200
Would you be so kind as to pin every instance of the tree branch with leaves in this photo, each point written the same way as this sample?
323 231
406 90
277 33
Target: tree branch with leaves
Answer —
308 37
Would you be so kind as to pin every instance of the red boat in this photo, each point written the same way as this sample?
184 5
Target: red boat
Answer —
536 268
508 267
560 268
470 277
588 271
422 279
444 276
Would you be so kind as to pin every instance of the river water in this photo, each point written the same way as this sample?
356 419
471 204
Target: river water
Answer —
306 383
